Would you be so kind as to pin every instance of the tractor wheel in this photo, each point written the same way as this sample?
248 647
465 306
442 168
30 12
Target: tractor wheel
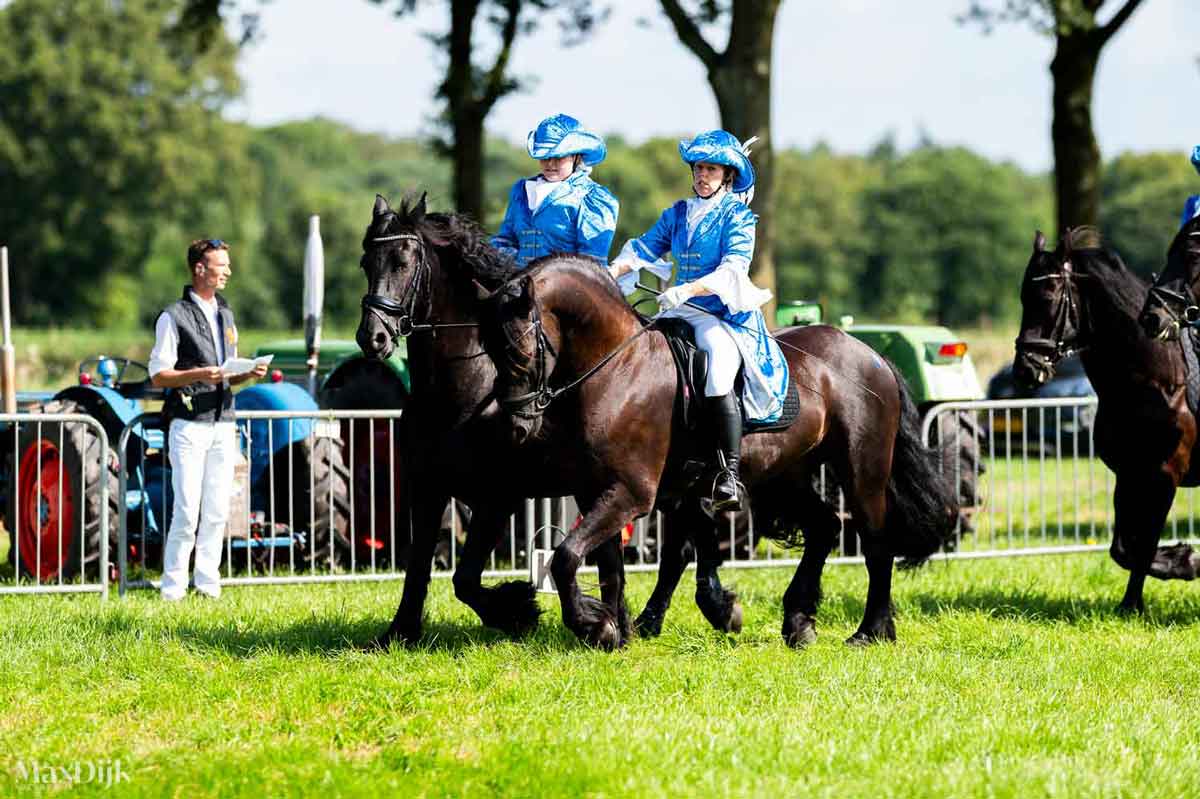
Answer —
960 443
54 498
371 448
318 488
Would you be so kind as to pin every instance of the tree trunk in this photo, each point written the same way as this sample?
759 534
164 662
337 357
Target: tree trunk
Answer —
466 123
468 165
1076 153
741 81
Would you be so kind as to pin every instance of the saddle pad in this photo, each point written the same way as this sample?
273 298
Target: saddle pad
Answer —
791 409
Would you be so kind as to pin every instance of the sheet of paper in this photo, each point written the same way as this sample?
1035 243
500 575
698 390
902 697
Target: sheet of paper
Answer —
240 366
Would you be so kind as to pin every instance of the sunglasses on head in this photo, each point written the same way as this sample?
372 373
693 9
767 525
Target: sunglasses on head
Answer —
215 243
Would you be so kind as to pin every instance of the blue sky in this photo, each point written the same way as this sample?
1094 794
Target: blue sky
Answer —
845 72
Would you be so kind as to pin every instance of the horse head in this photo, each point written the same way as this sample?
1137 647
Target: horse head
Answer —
520 346
1171 303
1052 316
398 263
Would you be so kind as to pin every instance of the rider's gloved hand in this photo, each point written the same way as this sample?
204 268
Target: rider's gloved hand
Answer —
674 297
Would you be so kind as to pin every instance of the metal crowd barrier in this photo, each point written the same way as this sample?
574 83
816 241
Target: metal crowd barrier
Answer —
58 537
1029 477
318 499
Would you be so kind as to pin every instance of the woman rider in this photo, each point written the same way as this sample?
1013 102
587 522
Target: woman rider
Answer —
1191 208
711 236
561 209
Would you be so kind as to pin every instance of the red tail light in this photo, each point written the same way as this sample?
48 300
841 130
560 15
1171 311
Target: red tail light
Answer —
956 349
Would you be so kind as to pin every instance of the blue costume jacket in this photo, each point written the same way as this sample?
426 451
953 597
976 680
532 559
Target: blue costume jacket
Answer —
579 216
728 229
1190 209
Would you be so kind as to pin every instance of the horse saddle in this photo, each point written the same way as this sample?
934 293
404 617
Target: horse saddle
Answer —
691 366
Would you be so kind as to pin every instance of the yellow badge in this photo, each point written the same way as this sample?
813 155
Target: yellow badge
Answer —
231 336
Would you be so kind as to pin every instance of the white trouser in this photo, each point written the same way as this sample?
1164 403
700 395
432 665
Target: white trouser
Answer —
202 455
724 357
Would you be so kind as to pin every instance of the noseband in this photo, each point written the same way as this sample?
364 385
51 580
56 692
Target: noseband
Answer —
403 311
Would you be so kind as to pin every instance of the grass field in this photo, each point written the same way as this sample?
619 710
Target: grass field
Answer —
1011 679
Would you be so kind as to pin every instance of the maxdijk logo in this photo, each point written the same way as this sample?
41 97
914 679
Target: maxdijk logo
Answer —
106 773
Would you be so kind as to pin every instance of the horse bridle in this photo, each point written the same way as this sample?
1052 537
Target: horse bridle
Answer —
1058 346
404 310
542 394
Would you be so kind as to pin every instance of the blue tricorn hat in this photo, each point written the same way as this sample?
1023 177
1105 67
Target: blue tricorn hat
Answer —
560 135
721 147
1196 157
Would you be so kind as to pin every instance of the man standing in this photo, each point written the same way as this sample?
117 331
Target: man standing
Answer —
192 338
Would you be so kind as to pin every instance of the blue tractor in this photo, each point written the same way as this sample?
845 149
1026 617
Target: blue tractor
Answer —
52 505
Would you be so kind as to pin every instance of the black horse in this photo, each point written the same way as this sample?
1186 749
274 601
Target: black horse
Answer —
1080 297
430 278
587 382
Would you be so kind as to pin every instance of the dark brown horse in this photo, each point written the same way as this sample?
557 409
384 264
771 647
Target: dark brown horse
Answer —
426 274
586 387
1081 297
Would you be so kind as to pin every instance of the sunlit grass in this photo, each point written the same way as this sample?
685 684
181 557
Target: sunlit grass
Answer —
1011 678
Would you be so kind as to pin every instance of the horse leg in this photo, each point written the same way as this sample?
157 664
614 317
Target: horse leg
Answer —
672 560
822 530
719 606
610 563
866 492
511 606
1140 504
426 518
591 619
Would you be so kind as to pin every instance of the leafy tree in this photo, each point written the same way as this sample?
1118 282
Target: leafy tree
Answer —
950 234
1143 197
822 251
1079 38
108 123
740 76
470 91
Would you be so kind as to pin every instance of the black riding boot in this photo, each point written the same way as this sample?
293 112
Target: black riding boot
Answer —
726 414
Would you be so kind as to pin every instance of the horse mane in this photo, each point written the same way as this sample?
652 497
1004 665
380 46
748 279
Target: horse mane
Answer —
1086 246
457 233
1184 252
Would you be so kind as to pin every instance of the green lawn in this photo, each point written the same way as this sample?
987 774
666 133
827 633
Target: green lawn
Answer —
1011 679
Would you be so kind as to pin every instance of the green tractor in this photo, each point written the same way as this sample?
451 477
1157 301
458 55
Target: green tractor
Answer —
935 364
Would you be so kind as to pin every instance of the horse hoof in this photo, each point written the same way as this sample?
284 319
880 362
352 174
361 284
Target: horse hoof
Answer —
1132 610
648 626
800 632
605 636
863 638
734 625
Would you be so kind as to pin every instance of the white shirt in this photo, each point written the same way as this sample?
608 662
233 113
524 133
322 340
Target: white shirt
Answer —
537 190
166 336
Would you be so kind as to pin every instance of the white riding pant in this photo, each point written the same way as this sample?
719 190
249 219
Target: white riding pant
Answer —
724 357
202 455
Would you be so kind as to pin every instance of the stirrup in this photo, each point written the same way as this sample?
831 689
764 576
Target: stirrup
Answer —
710 505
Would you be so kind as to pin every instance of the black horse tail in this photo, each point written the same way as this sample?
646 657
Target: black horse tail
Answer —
922 507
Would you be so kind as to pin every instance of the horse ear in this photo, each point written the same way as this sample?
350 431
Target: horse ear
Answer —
1039 242
419 211
381 205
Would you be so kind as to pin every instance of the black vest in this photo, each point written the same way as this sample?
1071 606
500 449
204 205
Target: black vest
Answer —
202 402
